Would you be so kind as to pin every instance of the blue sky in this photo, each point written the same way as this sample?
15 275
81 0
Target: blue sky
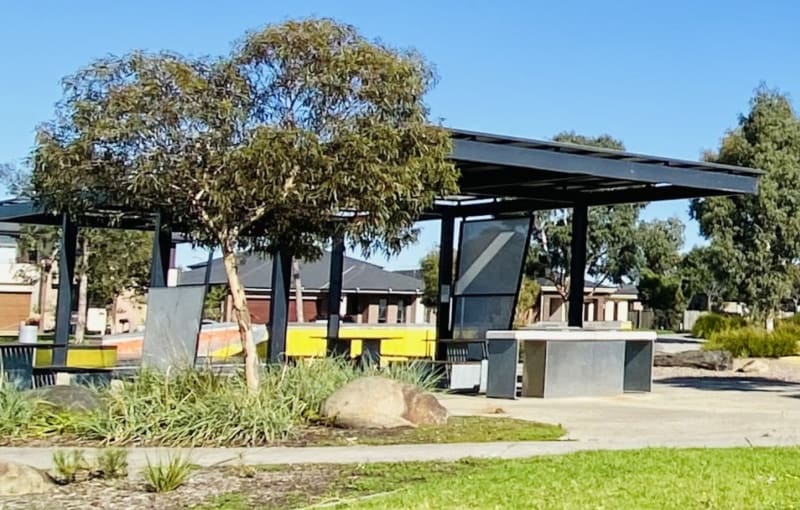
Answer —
668 78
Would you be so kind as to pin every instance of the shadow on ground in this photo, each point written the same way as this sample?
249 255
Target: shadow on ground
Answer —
733 383
678 340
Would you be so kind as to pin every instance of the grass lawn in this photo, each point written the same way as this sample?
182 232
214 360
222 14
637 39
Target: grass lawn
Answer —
459 429
745 478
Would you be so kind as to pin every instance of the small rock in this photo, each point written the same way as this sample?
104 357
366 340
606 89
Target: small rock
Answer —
380 403
754 366
17 479
69 398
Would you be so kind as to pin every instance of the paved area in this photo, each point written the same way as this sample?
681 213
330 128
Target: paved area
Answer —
682 411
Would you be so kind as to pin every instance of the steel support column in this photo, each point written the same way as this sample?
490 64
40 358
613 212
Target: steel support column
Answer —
577 265
443 328
279 306
335 292
160 258
66 275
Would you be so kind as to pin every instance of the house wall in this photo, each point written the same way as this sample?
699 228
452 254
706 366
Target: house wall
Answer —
258 306
606 307
361 308
17 298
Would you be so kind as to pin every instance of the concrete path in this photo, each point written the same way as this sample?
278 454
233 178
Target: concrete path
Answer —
681 412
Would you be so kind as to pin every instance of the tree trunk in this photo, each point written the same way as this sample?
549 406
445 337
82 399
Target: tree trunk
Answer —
298 291
770 322
242 317
44 284
114 305
83 284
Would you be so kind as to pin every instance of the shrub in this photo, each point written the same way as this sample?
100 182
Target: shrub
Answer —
16 410
756 342
112 463
67 465
167 477
708 324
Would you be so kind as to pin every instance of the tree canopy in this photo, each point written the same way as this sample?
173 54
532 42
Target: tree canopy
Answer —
758 236
611 243
306 130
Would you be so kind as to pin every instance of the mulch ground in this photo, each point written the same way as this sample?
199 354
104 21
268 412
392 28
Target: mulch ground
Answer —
278 488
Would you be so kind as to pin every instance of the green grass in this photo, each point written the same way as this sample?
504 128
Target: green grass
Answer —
459 429
743 478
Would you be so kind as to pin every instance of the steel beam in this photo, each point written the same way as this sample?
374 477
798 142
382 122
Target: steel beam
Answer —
443 327
66 275
159 261
279 306
335 293
577 265
608 168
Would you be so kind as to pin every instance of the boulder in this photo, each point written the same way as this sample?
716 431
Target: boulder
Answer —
707 360
69 397
753 366
380 403
17 479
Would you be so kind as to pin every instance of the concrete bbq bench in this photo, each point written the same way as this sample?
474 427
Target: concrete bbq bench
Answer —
571 362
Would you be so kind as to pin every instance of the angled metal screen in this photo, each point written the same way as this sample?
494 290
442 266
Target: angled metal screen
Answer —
491 255
172 326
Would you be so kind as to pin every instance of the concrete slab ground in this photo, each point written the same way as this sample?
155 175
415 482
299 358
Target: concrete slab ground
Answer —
692 410
686 411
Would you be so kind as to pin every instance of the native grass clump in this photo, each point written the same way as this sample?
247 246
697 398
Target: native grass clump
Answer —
197 407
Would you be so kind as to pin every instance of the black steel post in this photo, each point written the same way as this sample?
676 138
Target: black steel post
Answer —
279 306
66 274
577 266
335 293
443 329
159 261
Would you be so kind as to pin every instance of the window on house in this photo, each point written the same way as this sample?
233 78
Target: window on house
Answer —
383 309
401 311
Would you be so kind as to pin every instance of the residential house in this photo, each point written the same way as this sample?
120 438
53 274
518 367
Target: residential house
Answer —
370 294
18 296
602 303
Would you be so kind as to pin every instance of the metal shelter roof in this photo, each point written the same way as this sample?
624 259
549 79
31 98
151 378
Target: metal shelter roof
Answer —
503 174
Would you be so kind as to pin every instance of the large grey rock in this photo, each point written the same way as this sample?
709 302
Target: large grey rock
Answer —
707 360
380 403
17 479
69 397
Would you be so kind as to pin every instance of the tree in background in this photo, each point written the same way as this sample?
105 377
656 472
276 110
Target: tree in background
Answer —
658 273
429 267
526 299
215 300
611 244
702 277
109 263
758 236
307 131
42 242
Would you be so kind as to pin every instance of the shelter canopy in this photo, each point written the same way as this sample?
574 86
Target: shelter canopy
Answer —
502 174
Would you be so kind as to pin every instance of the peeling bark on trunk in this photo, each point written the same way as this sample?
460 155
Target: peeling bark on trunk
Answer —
298 291
242 317
83 284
